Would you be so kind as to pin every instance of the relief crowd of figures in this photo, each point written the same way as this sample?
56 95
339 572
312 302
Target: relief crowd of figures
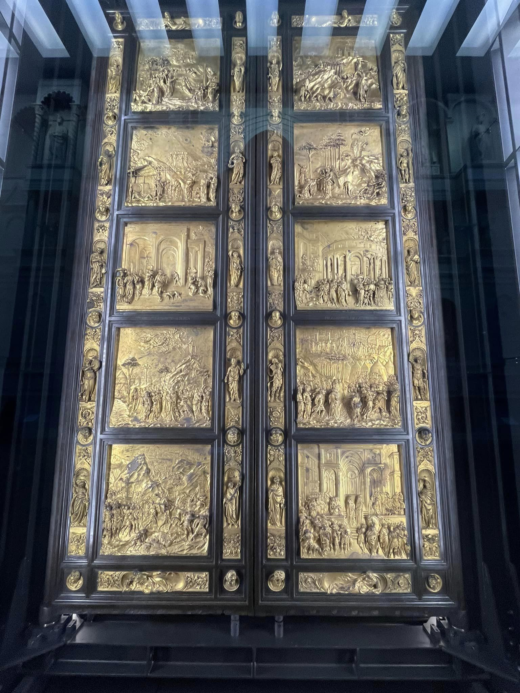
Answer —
359 292
131 285
326 530
169 405
364 403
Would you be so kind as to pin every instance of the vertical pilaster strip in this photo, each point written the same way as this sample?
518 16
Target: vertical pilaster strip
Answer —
91 361
276 458
233 449
417 347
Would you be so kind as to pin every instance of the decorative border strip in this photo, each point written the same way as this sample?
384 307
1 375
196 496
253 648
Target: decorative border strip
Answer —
338 21
355 583
153 581
276 477
233 474
91 363
417 355
179 23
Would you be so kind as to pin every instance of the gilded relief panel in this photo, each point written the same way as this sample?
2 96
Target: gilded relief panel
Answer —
173 165
152 582
167 266
177 76
356 583
163 377
332 76
339 164
346 378
157 500
342 264
351 502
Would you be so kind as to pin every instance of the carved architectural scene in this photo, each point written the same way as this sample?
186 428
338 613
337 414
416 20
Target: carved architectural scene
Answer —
355 583
346 377
167 266
351 502
332 76
163 377
173 165
157 500
339 164
177 76
342 264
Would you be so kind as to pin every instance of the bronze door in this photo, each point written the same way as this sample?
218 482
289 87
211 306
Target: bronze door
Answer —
249 423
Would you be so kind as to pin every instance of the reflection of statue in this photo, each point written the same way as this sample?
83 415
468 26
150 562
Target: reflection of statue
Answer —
57 139
232 504
79 504
276 503
235 268
427 503
234 373
88 378
481 138
275 268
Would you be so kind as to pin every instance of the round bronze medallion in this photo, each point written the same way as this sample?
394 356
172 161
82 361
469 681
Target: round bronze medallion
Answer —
276 437
275 212
275 319
233 436
433 582
235 319
276 581
94 318
231 581
74 581
423 435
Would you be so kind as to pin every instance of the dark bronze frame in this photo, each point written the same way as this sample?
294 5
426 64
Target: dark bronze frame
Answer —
254 568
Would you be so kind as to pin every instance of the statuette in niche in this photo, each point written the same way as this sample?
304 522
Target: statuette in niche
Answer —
91 366
433 583
238 21
276 502
236 163
274 71
231 581
119 23
275 267
231 503
275 319
80 498
235 268
235 319
74 581
275 379
405 165
98 265
427 500
106 164
233 378
276 581
399 79
419 374
276 168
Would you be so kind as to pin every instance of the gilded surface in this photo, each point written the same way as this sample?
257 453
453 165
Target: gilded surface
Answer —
417 357
179 23
163 377
151 582
346 377
338 21
275 481
333 77
339 164
174 77
167 266
91 362
157 500
351 502
355 583
173 165
342 264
